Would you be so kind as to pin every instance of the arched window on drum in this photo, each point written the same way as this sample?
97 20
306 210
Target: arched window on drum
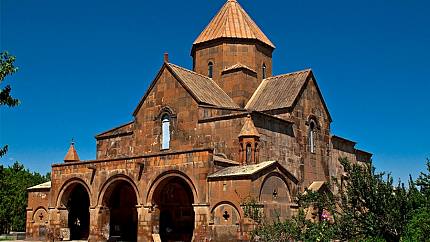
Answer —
165 131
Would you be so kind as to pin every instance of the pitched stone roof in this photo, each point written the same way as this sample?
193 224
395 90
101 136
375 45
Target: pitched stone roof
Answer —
232 22
42 186
124 129
219 159
242 170
203 88
278 91
71 155
238 66
248 128
316 186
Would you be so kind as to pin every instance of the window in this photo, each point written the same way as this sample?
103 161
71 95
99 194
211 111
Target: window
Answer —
312 136
248 153
165 131
263 70
210 69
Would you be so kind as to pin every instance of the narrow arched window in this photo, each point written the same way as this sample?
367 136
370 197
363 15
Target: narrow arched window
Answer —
210 69
312 136
165 131
263 71
256 153
248 153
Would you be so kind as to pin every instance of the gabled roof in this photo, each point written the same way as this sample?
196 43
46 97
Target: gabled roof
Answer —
222 160
282 91
238 66
202 88
250 171
232 22
42 186
71 155
117 131
278 91
242 170
316 186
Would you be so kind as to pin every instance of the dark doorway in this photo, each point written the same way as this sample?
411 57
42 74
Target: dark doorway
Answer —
123 213
174 199
79 215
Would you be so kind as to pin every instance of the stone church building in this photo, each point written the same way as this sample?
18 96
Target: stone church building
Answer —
201 143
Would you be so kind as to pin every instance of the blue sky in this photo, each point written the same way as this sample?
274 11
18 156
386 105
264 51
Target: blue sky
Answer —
84 66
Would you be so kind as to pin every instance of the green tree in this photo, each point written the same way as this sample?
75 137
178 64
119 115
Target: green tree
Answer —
14 181
7 67
371 206
418 227
367 206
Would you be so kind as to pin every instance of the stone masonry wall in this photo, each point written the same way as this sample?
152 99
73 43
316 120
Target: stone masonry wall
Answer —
37 214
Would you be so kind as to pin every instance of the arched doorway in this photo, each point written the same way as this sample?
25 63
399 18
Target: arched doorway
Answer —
121 201
78 218
173 199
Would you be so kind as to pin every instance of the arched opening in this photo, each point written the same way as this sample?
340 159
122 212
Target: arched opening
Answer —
256 153
121 201
248 153
210 69
275 195
263 71
165 131
78 217
312 127
173 199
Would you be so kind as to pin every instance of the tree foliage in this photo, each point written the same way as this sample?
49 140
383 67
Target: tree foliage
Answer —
367 206
7 67
14 181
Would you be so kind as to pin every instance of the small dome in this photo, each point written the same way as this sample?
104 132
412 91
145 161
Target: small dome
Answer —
249 129
232 22
71 155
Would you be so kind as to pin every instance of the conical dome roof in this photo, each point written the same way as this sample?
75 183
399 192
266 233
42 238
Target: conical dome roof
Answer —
71 155
249 129
232 22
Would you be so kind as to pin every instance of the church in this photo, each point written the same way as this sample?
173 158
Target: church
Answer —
201 144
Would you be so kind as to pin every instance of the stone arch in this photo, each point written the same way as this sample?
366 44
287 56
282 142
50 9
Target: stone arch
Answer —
166 110
266 186
73 203
118 200
220 217
172 173
68 185
314 119
113 179
172 195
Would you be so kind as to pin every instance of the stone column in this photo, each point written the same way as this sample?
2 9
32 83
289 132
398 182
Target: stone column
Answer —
143 223
58 218
147 222
201 222
98 217
29 224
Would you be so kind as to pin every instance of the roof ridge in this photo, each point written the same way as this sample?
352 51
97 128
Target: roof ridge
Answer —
114 128
255 94
203 76
193 72
288 74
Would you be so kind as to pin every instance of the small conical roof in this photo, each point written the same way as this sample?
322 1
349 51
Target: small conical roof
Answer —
248 128
232 22
71 155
